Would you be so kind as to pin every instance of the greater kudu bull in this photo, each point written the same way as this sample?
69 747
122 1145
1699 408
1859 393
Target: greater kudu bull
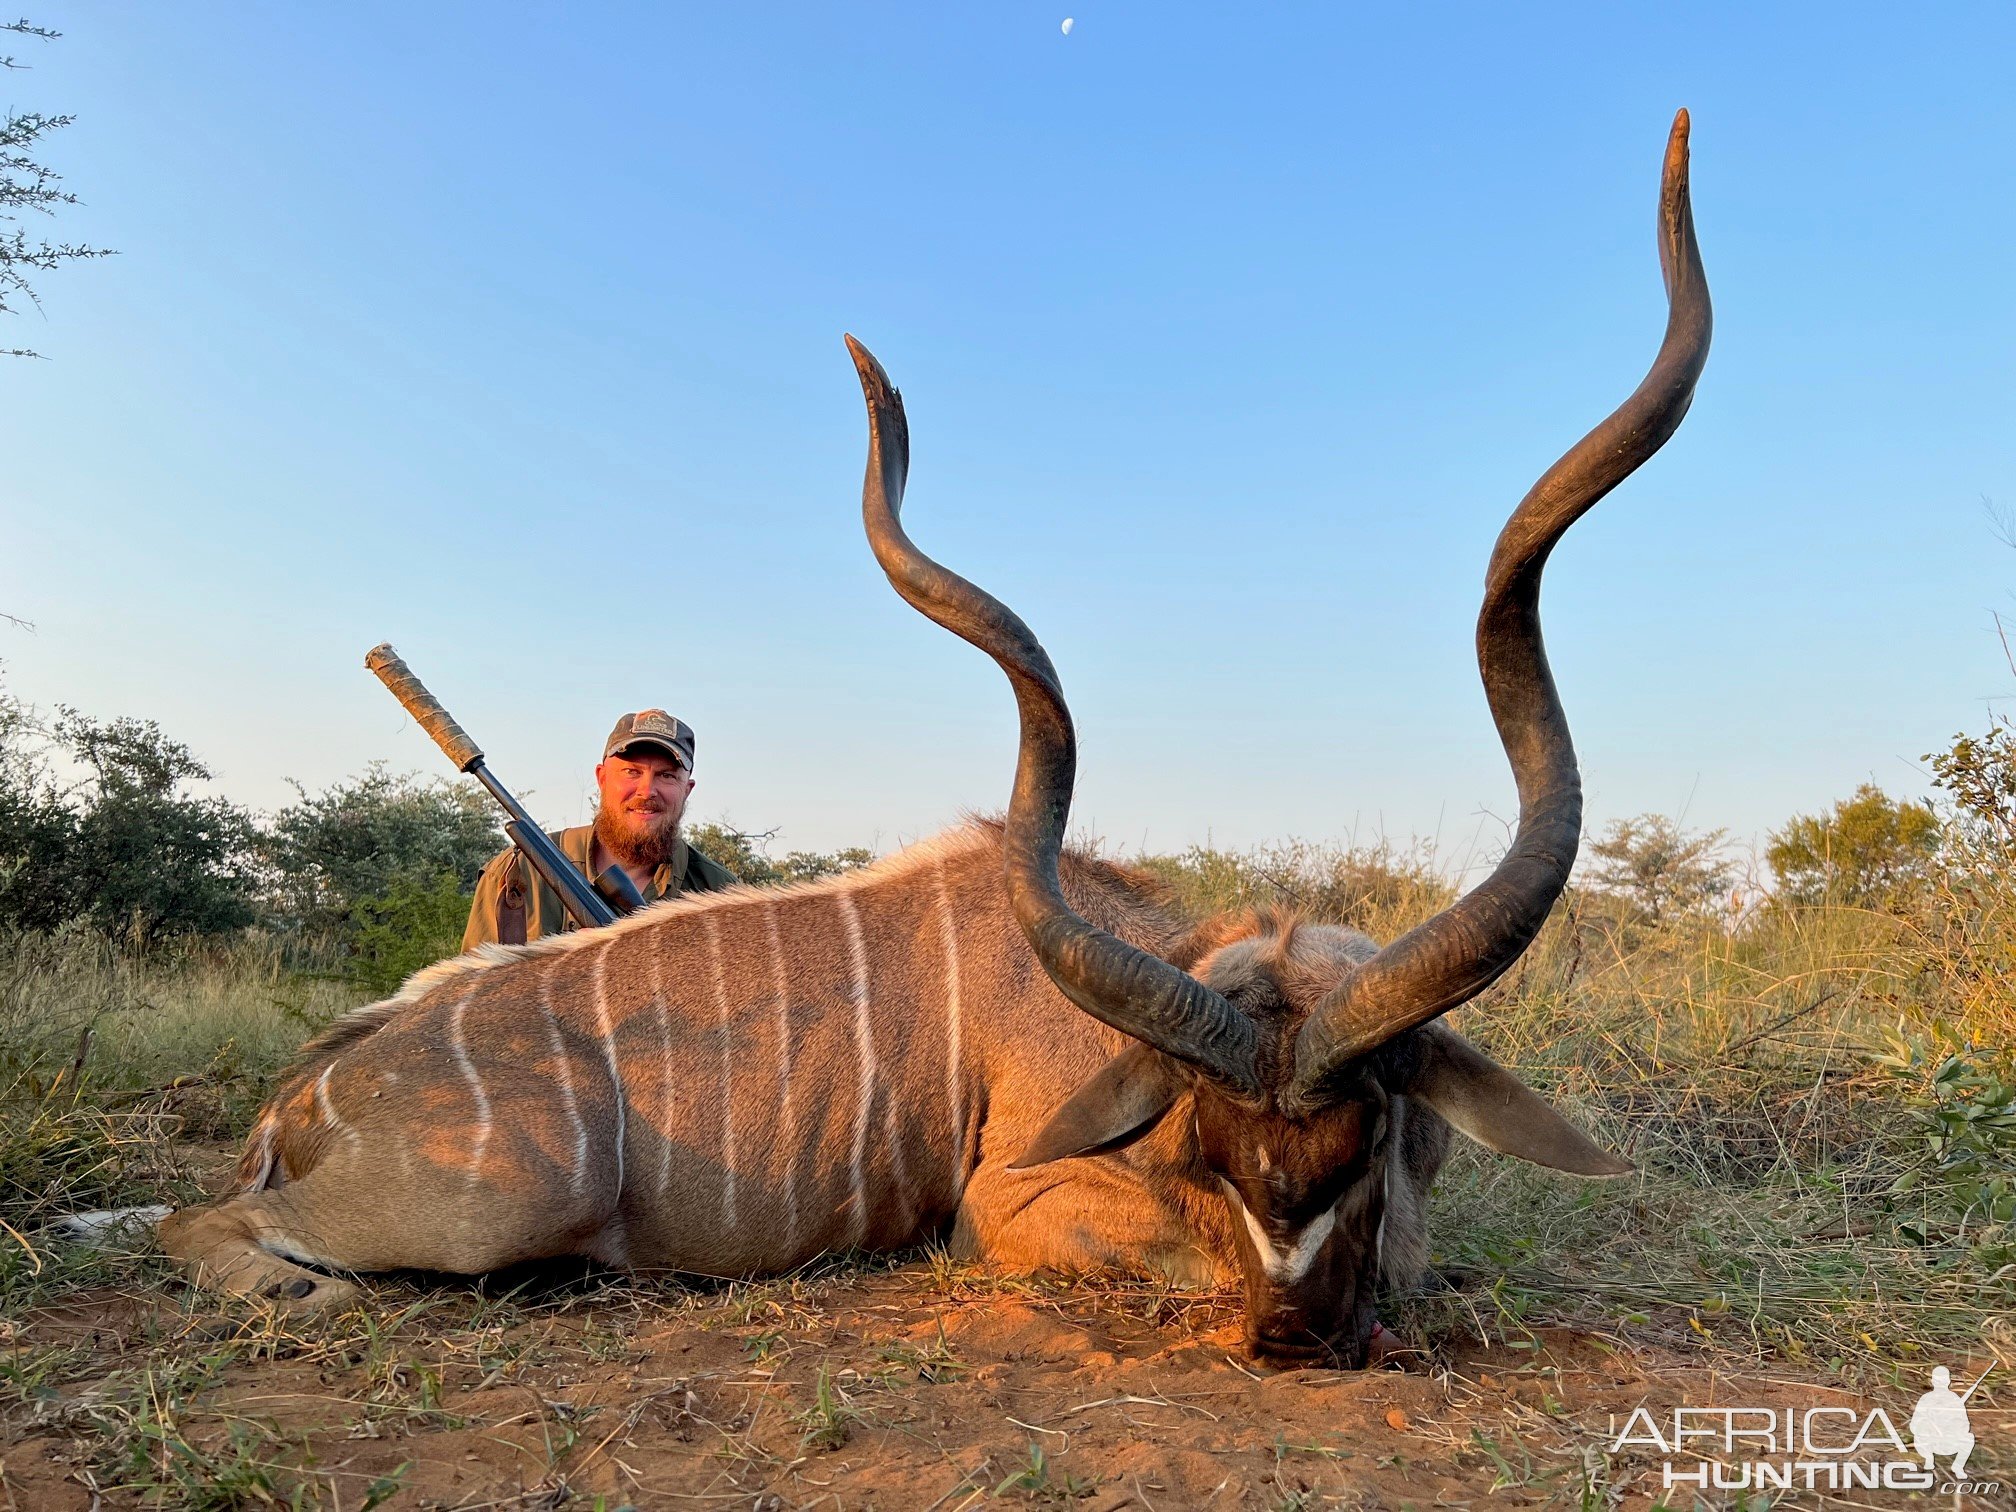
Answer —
735 1083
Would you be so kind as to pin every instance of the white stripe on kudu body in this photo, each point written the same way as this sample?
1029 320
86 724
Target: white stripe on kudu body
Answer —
577 1174
668 1071
328 1107
479 1134
864 1049
954 1071
712 927
787 1117
607 1030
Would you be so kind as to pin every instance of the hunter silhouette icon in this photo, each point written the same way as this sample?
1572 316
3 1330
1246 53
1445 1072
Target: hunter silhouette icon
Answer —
1939 1422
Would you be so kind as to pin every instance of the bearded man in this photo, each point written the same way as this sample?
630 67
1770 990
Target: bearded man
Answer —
645 777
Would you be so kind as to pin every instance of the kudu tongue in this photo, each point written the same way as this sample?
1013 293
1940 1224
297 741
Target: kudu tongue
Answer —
1384 1343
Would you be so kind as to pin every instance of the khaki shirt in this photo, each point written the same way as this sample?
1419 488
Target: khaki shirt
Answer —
687 871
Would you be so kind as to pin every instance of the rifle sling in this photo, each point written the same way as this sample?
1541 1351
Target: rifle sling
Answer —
511 904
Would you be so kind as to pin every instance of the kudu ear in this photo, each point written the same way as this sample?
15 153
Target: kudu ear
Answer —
1120 1104
1482 1099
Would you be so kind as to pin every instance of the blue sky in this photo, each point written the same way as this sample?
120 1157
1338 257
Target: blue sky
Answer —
1229 334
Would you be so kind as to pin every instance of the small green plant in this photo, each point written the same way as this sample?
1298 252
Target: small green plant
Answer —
762 1346
605 1342
1295 1498
1963 1105
1032 1481
384 1488
829 1422
1592 1482
36 1375
144 1443
1283 1447
240 1472
1505 1474
933 1363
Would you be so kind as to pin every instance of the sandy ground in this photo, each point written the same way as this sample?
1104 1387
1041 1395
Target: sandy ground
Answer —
916 1387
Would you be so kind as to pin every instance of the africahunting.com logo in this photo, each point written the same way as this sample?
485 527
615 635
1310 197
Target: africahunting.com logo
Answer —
1814 1448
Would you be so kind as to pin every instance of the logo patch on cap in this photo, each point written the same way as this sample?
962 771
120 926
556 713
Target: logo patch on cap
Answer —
652 727
655 722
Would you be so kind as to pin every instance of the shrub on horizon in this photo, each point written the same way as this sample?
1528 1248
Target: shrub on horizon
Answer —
1870 851
124 848
1374 888
1658 869
746 853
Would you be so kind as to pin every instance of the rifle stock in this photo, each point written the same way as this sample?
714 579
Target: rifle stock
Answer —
590 909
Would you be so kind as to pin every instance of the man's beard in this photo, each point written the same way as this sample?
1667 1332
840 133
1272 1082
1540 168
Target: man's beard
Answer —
640 840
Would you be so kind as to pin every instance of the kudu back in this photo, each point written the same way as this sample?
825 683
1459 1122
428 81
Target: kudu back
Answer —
1027 1051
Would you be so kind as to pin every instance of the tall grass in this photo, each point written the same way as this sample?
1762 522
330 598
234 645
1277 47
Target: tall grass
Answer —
122 1068
76 1005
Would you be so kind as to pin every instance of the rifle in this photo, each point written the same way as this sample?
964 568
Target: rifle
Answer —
611 895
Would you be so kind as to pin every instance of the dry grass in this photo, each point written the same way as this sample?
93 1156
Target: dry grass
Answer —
116 1065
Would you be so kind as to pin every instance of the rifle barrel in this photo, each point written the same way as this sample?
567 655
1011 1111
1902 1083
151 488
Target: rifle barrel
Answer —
480 770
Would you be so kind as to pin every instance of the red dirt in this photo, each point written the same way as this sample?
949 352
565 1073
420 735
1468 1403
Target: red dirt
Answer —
865 1389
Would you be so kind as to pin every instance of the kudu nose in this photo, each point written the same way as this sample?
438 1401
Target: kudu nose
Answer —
1290 1344
1308 1352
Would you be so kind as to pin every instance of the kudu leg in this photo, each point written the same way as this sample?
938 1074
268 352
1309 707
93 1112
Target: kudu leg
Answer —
393 1189
1077 1223
224 1247
249 1244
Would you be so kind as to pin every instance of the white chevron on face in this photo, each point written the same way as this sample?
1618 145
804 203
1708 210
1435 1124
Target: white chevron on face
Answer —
1290 1259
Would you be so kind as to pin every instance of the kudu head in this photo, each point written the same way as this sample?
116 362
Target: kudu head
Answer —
1289 1048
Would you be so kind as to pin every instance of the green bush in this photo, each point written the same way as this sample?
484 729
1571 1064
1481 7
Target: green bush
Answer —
1978 776
413 924
1870 851
36 827
1963 1101
336 856
124 849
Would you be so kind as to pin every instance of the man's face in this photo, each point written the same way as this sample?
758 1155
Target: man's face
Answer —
643 791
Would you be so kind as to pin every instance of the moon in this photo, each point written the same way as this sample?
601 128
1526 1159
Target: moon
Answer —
1069 22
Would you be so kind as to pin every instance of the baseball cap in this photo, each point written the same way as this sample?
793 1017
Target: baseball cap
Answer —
652 727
